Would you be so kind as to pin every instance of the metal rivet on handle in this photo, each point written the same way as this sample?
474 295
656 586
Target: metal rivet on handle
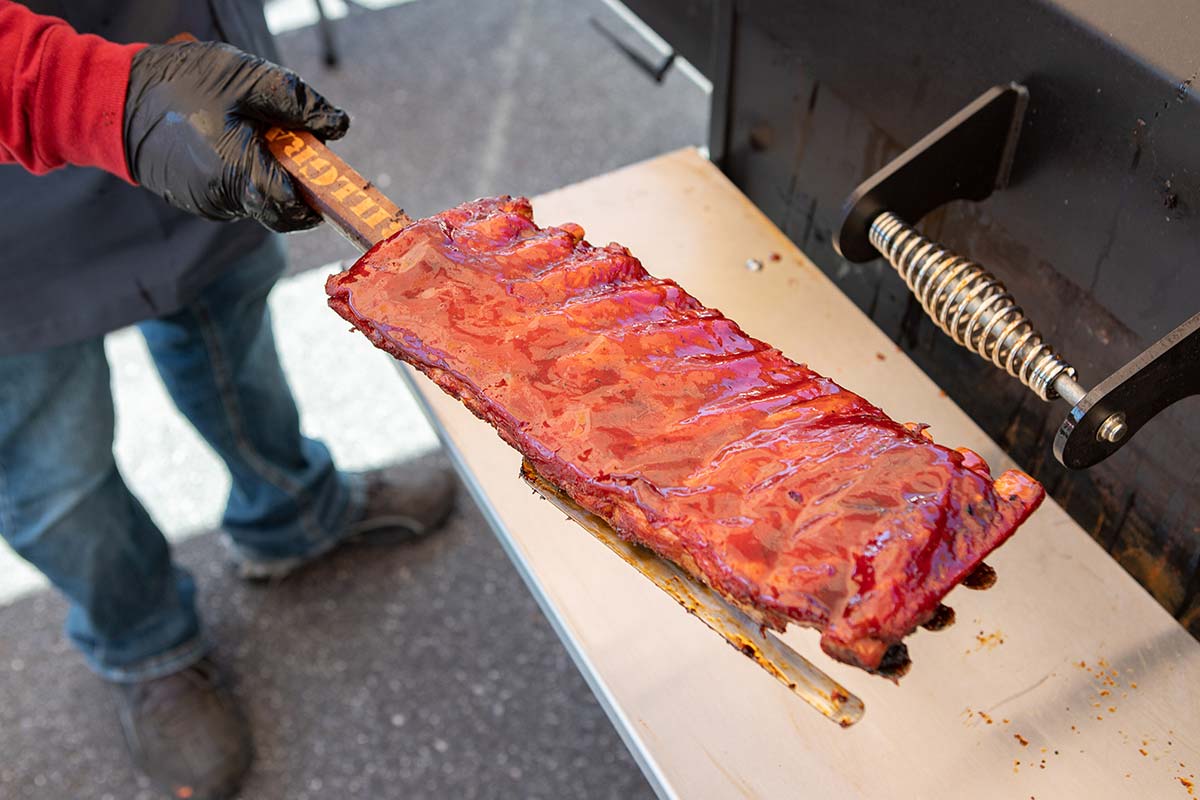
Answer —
1113 429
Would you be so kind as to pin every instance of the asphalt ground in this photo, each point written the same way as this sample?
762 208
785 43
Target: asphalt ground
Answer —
414 671
456 99
420 671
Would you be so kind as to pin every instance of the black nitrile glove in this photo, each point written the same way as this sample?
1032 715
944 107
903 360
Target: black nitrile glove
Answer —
193 116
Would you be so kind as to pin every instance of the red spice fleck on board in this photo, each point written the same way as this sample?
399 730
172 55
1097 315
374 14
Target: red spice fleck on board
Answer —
774 257
1024 742
989 640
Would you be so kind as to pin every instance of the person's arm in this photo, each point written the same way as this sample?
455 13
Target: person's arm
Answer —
62 94
182 120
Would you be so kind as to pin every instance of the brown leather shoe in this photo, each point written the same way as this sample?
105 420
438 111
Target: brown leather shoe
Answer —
401 502
186 732
406 500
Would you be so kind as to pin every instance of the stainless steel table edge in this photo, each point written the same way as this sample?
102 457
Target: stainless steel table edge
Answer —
599 689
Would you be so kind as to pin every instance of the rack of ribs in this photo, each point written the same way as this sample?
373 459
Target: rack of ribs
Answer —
786 493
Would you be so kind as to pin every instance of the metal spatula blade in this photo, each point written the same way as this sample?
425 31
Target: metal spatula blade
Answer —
746 634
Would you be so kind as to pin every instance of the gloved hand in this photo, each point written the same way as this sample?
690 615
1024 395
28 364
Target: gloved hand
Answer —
192 118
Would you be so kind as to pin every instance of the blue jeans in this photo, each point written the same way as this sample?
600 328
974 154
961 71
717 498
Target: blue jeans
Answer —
65 508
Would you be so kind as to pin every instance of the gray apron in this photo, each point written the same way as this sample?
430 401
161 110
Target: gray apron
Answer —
82 252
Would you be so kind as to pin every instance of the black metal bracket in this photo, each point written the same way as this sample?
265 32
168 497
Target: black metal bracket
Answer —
967 157
1165 373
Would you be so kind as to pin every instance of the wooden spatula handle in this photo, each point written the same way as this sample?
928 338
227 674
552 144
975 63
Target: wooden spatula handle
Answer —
346 199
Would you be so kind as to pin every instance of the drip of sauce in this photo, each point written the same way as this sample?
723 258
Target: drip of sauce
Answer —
943 617
982 577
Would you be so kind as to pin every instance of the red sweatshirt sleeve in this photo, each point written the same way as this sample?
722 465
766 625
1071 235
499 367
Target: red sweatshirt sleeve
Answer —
62 94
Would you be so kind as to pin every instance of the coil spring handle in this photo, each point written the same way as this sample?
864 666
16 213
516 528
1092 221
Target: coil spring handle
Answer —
973 307
966 158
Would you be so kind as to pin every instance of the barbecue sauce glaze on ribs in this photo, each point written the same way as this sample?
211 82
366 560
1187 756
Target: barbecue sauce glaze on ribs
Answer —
779 488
